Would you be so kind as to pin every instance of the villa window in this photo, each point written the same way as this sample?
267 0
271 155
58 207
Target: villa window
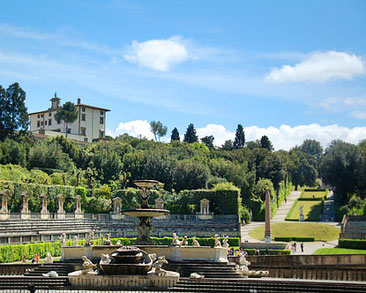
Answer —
101 112
41 123
83 117
38 123
49 114
69 130
42 115
49 122
85 139
83 131
101 134
83 109
39 116
45 123
101 120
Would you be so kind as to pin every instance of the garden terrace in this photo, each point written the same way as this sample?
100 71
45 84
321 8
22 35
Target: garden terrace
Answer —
35 230
353 227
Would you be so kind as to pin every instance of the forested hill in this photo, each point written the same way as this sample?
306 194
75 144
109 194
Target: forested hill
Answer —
254 168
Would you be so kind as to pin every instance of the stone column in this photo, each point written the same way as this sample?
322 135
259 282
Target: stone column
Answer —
45 215
25 213
4 213
78 212
267 232
159 203
60 211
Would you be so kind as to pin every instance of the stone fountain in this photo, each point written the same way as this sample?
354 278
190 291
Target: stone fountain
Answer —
145 213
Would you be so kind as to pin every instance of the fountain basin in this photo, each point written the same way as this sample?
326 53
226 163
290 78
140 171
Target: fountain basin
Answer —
146 183
126 269
150 213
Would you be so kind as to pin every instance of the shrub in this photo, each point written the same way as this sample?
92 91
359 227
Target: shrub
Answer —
298 239
352 243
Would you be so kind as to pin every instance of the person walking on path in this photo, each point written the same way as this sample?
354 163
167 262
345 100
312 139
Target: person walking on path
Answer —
302 246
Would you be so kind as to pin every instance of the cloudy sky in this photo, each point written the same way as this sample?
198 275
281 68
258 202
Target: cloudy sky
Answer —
287 69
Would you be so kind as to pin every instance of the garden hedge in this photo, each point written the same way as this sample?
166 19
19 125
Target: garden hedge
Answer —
16 252
352 243
298 239
271 251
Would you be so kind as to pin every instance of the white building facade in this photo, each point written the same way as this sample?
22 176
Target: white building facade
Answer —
90 124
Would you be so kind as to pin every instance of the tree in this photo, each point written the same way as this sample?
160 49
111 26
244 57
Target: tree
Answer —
175 135
13 113
228 145
312 147
303 169
68 114
13 152
266 143
340 168
158 129
208 141
239 140
190 136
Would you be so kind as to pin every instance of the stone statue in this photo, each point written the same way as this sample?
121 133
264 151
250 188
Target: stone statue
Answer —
185 241
108 241
76 241
48 259
90 239
119 243
175 240
62 239
301 213
195 242
158 264
88 266
105 259
217 241
225 243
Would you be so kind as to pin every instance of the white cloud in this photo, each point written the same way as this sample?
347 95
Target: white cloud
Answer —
220 133
320 67
283 137
359 115
354 106
158 55
137 128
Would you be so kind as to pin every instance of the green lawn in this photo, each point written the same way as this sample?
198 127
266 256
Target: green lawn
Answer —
339 251
320 232
309 194
311 210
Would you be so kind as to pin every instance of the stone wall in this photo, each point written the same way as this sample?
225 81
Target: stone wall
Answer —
353 227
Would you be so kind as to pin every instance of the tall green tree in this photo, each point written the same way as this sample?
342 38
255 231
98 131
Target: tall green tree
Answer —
190 136
13 113
158 129
68 114
208 141
239 140
266 143
312 147
175 135
228 145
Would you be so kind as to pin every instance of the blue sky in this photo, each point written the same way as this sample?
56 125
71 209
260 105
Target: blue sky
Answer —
287 69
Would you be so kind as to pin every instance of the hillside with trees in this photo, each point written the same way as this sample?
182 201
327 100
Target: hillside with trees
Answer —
99 170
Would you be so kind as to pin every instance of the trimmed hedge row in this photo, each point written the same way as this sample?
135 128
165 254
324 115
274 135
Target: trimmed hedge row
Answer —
352 243
271 251
298 239
16 252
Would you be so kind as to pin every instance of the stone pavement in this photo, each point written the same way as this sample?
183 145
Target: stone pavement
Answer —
328 210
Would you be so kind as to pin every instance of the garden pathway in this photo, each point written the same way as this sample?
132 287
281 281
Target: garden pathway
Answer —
283 210
328 210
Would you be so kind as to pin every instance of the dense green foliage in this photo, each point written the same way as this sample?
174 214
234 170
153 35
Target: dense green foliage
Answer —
12 253
158 129
352 243
271 251
13 113
298 239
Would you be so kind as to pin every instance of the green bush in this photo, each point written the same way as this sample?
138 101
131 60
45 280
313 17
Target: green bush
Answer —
298 239
16 252
271 251
352 243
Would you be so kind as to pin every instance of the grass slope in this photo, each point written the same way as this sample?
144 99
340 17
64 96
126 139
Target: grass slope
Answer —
320 232
311 210
339 251
309 194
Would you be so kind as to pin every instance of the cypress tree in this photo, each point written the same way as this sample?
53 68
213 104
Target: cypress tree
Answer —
190 136
175 135
239 141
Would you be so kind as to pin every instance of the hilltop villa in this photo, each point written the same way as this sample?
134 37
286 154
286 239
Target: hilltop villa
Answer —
89 125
